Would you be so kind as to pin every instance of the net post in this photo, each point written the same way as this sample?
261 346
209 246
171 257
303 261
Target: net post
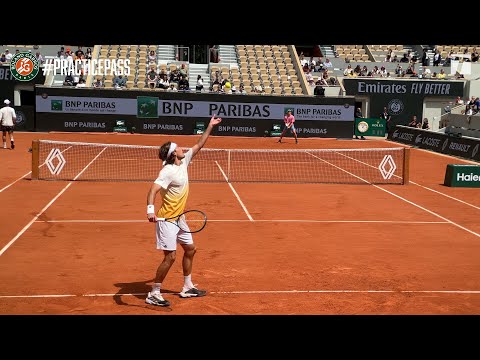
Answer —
406 166
35 159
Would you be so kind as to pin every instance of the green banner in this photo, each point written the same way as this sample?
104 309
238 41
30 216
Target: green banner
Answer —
462 176
370 127
147 107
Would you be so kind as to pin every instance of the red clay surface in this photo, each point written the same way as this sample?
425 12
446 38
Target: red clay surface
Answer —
311 249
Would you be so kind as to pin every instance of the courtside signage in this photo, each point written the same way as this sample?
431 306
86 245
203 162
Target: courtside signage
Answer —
151 107
462 175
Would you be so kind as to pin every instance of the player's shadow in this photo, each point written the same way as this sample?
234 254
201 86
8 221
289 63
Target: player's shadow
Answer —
138 289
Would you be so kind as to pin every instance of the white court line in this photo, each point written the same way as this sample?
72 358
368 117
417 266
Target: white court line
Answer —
6 187
253 292
279 220
234 192
401 198
47 206
413 182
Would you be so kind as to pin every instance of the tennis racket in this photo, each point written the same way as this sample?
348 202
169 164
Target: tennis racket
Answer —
191 221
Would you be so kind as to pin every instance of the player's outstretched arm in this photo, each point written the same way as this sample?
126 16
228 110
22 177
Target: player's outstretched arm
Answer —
203 139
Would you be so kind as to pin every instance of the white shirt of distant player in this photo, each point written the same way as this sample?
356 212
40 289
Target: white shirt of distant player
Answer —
7 114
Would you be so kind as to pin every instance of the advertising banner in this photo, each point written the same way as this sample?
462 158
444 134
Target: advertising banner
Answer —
159 112
467 148
403 97
153 107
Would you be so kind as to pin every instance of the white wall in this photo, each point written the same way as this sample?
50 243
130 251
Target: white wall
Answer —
433 109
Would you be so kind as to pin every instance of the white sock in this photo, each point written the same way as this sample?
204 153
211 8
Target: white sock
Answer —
156 287
188 282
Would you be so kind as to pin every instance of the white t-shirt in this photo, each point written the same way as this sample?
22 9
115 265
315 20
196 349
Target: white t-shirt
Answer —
7 114
174 182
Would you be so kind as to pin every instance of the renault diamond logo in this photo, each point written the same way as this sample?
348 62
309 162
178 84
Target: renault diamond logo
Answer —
55 154
387 160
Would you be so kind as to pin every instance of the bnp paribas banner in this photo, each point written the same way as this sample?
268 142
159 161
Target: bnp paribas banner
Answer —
149 107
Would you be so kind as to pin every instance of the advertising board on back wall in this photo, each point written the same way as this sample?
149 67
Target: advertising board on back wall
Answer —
403 97
177 113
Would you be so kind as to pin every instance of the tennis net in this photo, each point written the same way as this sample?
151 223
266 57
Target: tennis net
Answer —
80 161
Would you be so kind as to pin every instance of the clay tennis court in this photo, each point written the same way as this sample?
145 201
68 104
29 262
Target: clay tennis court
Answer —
85 247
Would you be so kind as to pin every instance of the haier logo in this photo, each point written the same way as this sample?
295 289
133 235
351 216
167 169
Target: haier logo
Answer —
467 177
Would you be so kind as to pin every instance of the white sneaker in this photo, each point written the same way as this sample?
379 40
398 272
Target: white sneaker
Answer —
156 299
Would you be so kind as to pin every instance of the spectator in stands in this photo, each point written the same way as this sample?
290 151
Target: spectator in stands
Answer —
382 72
163 82
152 78
79 53
476 105
3 59
425 58
475 55
172 87
88 54
98 83
183 84
61 52
466 56
363 71
459 101
437 58
405 58
8 55
241 90
319 90
395 59
425 124
152 58
458 75
306 69
309 78
348 71
39 58
199 86
302 59
174 77
312 63
120 82
214 54
69 80
81 83
183 70
328 64
442 74
413 122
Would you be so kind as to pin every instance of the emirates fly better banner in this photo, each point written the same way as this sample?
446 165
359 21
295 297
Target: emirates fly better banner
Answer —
153 107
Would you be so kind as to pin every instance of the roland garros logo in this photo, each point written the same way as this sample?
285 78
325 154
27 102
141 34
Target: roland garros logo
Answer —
24 66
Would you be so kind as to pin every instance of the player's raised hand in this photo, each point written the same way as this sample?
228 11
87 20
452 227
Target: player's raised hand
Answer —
215 120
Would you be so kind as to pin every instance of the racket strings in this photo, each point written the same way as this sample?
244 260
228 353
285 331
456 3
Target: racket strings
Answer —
194 221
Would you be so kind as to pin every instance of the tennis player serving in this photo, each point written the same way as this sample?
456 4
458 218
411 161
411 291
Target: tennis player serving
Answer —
289 121
173 185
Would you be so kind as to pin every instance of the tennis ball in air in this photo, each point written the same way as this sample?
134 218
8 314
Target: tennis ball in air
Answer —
228 85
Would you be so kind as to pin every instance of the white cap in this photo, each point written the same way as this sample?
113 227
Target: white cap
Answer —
6 101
